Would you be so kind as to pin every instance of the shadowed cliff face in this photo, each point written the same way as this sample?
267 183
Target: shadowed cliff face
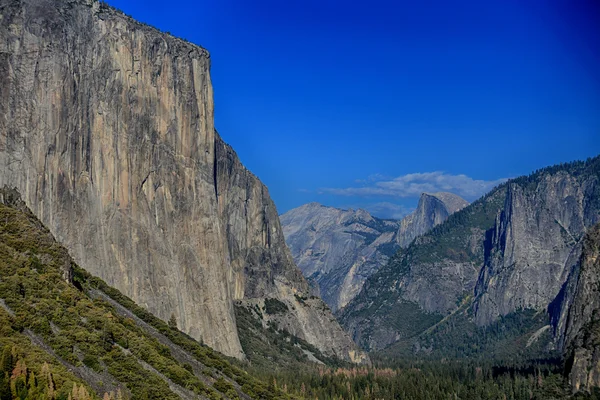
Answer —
107 131
580 319
340 249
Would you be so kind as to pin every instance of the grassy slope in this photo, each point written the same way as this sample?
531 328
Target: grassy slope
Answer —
89 335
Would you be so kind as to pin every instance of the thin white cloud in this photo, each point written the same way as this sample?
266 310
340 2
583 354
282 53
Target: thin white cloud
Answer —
388 210
412 185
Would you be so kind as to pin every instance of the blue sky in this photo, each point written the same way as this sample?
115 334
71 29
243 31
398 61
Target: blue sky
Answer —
367 104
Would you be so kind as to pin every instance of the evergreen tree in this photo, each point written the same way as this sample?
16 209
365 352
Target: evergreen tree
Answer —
5 393
7 360
173 321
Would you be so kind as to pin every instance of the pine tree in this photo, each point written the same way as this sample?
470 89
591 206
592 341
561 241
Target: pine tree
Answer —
47 381
6 364
173 321
5 393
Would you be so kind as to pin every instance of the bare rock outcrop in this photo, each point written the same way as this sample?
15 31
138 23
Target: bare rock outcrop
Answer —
511 251
432 210
338 249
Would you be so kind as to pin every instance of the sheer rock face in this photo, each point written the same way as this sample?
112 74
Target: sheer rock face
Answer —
580 333
433 209
107 131
340 249
534 245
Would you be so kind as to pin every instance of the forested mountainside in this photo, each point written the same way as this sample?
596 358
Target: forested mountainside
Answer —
339 249
66 334
108 132
481 283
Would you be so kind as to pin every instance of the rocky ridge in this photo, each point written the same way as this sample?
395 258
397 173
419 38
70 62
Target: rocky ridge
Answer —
107 131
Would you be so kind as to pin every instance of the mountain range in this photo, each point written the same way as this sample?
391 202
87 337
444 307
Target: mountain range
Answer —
339 249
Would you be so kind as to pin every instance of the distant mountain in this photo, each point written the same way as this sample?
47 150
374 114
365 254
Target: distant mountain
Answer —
483 281
339 249
432 210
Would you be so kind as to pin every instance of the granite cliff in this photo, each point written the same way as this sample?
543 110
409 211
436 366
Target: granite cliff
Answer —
107 131
578 327
534 243
71 336
432 210
340 249
506 253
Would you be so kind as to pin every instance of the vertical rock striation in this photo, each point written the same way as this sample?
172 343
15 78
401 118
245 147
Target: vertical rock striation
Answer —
106 128
580 336
534 244
510 251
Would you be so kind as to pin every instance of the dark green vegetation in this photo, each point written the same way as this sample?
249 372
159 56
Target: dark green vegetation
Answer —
506 340
274 306
65 334
448 242
433 381
51 327
273 349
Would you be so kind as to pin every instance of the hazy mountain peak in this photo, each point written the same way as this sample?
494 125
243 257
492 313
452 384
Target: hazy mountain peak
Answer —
339 249
452 201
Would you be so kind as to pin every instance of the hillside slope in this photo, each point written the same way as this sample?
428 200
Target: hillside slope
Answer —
68 328
580 319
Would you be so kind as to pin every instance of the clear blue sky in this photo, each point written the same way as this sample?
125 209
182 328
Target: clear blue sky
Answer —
369 103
